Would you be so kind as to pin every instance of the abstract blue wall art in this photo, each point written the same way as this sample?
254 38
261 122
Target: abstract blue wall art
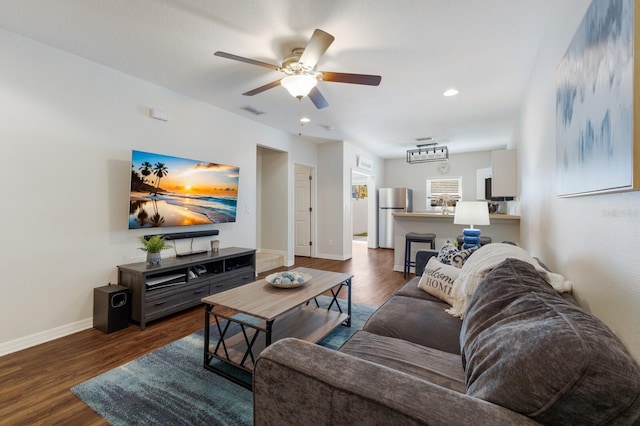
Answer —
594 103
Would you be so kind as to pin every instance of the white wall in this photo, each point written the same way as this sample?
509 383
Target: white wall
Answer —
399 173
336 160
330 201
588 239
274 200
67 129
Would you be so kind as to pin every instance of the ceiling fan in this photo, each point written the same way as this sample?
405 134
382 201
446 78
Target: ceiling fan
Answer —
300 68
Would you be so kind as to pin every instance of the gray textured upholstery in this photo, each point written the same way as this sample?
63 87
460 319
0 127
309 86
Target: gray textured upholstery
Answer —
439 367
410 289
528 357
299 383
398 317
527 349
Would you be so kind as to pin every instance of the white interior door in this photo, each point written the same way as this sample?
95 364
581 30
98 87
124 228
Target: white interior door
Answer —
302 203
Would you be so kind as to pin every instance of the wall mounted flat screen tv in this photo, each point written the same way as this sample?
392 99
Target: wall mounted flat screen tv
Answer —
172 191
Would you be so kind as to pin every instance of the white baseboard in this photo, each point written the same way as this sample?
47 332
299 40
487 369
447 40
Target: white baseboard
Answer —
332 257
44 336
277 252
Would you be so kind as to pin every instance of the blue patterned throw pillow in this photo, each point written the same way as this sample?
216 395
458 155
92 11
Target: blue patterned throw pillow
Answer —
450 255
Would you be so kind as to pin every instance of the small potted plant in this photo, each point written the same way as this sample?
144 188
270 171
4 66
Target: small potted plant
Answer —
153 246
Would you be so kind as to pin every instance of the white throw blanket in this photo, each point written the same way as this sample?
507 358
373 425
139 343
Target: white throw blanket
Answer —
483 261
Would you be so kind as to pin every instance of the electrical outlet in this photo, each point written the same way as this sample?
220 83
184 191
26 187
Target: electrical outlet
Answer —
330 243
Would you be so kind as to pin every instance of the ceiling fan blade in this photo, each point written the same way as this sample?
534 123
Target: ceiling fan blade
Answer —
318 44
340 77
246 60
262 88
318 100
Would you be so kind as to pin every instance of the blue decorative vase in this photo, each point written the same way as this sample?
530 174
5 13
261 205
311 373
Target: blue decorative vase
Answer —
471 238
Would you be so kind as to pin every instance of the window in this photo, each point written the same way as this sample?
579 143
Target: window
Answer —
441 190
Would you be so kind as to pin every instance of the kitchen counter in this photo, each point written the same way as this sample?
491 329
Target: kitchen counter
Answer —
502 227
450 216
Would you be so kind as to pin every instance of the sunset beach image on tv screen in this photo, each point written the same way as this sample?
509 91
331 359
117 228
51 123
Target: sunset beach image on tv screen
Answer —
172 191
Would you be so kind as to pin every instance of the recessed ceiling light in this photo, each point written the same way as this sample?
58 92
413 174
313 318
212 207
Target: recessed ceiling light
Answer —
305 119
451 92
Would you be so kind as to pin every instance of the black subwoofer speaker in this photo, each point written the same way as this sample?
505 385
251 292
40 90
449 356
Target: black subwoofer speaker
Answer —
111 308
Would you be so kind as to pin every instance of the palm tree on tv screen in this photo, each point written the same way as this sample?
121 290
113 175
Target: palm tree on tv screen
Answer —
145 170
160 171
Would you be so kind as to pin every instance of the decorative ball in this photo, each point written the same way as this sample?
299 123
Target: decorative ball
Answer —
288 279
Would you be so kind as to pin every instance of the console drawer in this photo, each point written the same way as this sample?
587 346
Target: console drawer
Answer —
159 306
232 279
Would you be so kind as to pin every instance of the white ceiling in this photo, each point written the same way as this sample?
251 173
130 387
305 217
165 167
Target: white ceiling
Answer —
484 48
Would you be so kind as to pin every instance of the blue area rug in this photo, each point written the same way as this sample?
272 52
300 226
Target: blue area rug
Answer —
170 386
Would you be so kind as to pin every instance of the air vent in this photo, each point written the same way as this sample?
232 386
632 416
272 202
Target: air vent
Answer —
252 110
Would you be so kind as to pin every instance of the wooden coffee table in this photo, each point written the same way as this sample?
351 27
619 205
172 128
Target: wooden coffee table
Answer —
273 313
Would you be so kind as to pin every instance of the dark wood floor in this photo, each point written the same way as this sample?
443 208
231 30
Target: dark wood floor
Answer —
35 383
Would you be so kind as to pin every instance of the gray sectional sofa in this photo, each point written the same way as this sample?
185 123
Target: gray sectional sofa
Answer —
522 355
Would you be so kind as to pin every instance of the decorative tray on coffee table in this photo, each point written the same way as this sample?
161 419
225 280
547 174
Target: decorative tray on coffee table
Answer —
288 279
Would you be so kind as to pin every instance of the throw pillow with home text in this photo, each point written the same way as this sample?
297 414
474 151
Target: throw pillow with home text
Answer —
438 279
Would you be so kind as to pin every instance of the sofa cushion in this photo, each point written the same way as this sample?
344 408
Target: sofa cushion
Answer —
441 368
449 254
410 289
417 320
527 349
437 280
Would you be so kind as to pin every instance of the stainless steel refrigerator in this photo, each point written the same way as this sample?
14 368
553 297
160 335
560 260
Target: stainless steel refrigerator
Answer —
391 200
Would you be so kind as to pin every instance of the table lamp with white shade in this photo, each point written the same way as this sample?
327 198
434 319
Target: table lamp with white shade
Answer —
471 213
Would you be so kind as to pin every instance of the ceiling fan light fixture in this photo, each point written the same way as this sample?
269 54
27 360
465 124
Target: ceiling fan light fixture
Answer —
299 85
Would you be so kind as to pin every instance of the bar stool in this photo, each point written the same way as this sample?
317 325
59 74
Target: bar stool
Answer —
414 237
483 240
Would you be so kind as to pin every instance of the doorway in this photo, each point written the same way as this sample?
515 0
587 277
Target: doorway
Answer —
272 183
364 210
359 208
